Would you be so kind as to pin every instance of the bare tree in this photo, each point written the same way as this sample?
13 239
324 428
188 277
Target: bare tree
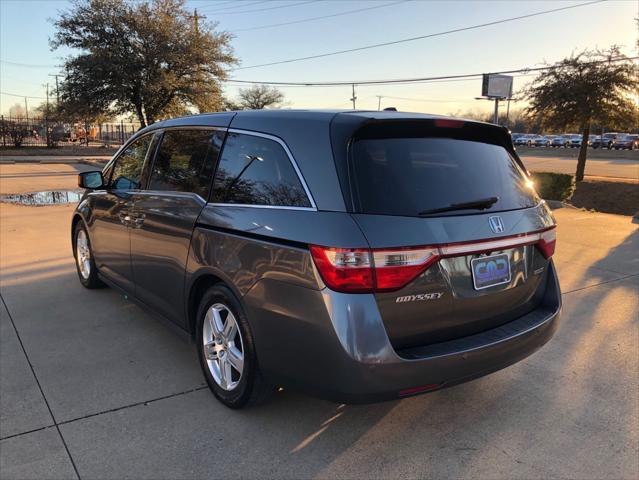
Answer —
258 97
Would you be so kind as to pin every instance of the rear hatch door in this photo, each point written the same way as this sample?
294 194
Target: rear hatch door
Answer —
460 188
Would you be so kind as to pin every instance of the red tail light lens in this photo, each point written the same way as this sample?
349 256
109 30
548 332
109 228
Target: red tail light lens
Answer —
396 268
547 241
345 269
363 270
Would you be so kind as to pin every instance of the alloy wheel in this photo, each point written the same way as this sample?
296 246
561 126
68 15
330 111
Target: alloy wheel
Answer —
223 346
83 254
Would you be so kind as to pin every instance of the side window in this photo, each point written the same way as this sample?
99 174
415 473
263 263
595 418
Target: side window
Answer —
186 160
129 164
257 171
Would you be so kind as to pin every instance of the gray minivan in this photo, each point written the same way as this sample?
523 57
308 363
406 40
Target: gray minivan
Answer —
357 256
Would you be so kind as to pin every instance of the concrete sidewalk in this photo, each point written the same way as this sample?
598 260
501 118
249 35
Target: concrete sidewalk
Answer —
9 159
93 387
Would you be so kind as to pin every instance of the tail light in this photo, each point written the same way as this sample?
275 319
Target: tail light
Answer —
345 269
395 268
547 242
448 123
363 270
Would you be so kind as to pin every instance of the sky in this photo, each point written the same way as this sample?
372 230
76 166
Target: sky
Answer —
26 59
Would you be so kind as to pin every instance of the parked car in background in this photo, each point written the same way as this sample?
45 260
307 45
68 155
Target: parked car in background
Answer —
605 140
541 141
523 140
573 140
559 141
269 238
625 141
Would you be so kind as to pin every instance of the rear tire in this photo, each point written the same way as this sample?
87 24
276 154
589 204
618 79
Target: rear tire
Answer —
84 261
226 350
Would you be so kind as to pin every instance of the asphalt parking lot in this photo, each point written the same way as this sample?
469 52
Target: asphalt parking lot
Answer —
93 387
599 167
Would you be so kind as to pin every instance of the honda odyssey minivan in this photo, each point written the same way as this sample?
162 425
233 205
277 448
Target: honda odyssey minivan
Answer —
357 256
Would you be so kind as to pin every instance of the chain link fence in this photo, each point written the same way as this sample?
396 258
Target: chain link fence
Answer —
16 132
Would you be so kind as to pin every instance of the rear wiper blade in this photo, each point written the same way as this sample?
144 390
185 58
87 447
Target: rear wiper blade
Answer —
480 204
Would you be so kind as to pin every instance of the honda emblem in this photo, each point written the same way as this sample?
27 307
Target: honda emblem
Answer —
496 225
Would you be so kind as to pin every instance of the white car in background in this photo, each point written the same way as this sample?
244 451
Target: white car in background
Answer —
573 140
559 141
523 140
541 141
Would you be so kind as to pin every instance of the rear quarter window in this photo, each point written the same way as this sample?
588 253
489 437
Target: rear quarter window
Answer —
254 170
405 176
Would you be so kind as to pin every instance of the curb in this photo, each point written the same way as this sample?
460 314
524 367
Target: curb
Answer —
556 204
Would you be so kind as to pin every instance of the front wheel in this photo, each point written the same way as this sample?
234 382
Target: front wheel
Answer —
84 261
226 351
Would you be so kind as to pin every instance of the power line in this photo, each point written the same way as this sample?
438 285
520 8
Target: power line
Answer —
28 65
439 100
217 4
265 9
22 96
241 83
310 19
420 79
235 6
220 3
421 37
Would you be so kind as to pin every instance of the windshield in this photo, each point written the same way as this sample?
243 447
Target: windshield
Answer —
406 176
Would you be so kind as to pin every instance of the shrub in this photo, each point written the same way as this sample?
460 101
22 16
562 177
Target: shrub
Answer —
554 186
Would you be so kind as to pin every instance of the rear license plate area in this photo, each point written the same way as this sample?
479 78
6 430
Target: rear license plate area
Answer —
490 271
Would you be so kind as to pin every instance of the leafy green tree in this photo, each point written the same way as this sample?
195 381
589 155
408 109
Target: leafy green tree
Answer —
153 58
584 89
258 97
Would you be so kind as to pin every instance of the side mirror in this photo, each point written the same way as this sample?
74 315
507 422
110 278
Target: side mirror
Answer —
91 180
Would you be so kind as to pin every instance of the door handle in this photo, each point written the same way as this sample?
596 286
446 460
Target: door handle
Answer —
125 218
138 220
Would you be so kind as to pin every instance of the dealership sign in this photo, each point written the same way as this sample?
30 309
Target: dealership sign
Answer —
496 86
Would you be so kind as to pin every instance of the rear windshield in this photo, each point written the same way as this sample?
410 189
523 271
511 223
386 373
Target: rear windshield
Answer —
406 176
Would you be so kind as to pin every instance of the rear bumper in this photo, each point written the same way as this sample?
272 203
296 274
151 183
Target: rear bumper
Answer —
343 353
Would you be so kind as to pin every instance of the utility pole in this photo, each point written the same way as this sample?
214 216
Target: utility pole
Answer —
379 102
26 109
196 22
46 119
57 88
353 98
